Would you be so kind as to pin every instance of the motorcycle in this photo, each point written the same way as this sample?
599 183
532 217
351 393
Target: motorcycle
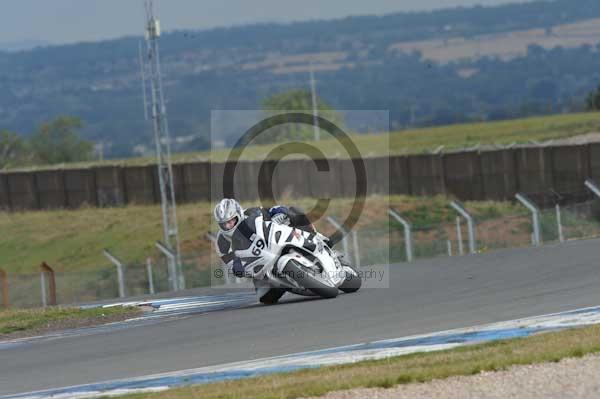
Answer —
279 256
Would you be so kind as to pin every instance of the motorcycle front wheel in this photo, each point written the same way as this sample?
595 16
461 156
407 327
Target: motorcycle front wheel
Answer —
352 283
307 279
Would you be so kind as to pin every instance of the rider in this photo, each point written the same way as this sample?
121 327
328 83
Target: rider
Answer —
229 215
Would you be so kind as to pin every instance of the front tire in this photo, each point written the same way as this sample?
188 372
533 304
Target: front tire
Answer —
307 280
352 283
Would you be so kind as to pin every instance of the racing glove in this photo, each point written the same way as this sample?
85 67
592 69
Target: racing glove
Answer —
279 215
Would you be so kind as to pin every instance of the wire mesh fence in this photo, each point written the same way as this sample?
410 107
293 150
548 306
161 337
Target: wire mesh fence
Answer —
580 221
571 222
375 246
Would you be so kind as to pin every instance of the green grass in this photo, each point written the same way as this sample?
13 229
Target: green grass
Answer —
15 321
414 141
421 367
73 240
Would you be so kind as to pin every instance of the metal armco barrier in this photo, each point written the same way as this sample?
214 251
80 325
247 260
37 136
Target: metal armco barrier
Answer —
47 278
4 288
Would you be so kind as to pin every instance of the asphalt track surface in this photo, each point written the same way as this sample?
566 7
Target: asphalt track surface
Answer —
425 296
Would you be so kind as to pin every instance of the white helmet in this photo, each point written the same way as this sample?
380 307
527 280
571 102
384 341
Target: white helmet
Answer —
229 214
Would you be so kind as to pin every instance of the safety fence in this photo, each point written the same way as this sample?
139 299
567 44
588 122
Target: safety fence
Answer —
104 283
391 244
572 222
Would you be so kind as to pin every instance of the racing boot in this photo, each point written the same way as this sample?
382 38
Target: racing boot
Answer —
267 294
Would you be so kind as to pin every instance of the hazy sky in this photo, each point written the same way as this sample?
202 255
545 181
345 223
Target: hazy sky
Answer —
63 21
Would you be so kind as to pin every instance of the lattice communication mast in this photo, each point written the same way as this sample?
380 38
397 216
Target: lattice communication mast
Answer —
156 110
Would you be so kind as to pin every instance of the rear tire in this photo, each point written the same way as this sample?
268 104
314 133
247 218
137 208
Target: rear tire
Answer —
352 283
306 279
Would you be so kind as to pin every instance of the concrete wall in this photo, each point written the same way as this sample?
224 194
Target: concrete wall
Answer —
80 187
463 175
196 179
110 189
494 175
50 187
4 194
22 191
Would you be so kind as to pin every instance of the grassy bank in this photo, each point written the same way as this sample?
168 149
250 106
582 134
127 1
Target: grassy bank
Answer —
73 240
548 347
414 141
33 321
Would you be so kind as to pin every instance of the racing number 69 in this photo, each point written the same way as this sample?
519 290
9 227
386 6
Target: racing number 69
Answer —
258 247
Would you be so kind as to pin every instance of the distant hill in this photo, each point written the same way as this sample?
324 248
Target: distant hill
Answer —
22 45
427 68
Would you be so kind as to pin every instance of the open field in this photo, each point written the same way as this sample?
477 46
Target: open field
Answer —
469 360
73 240
19 323
411 141
505 45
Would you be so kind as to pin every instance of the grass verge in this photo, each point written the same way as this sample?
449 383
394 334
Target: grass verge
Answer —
73 240
468 360
19 323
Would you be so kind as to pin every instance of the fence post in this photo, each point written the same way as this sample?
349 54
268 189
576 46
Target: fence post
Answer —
449 245
171 265
407 233
150 275
43 286
561 236
592 187
4 287
459 239
356 249
338 226
117 262
535 215
458 207
47 271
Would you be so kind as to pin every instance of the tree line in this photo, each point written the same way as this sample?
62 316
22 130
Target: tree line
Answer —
54 142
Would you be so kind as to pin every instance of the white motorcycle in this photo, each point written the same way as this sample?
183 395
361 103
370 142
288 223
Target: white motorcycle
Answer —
279 256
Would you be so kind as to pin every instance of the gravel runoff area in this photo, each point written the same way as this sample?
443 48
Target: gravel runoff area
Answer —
569 378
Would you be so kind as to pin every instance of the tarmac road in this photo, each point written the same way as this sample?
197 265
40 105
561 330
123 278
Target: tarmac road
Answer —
425 296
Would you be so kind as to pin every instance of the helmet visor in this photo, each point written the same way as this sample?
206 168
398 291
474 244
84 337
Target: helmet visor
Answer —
230 224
